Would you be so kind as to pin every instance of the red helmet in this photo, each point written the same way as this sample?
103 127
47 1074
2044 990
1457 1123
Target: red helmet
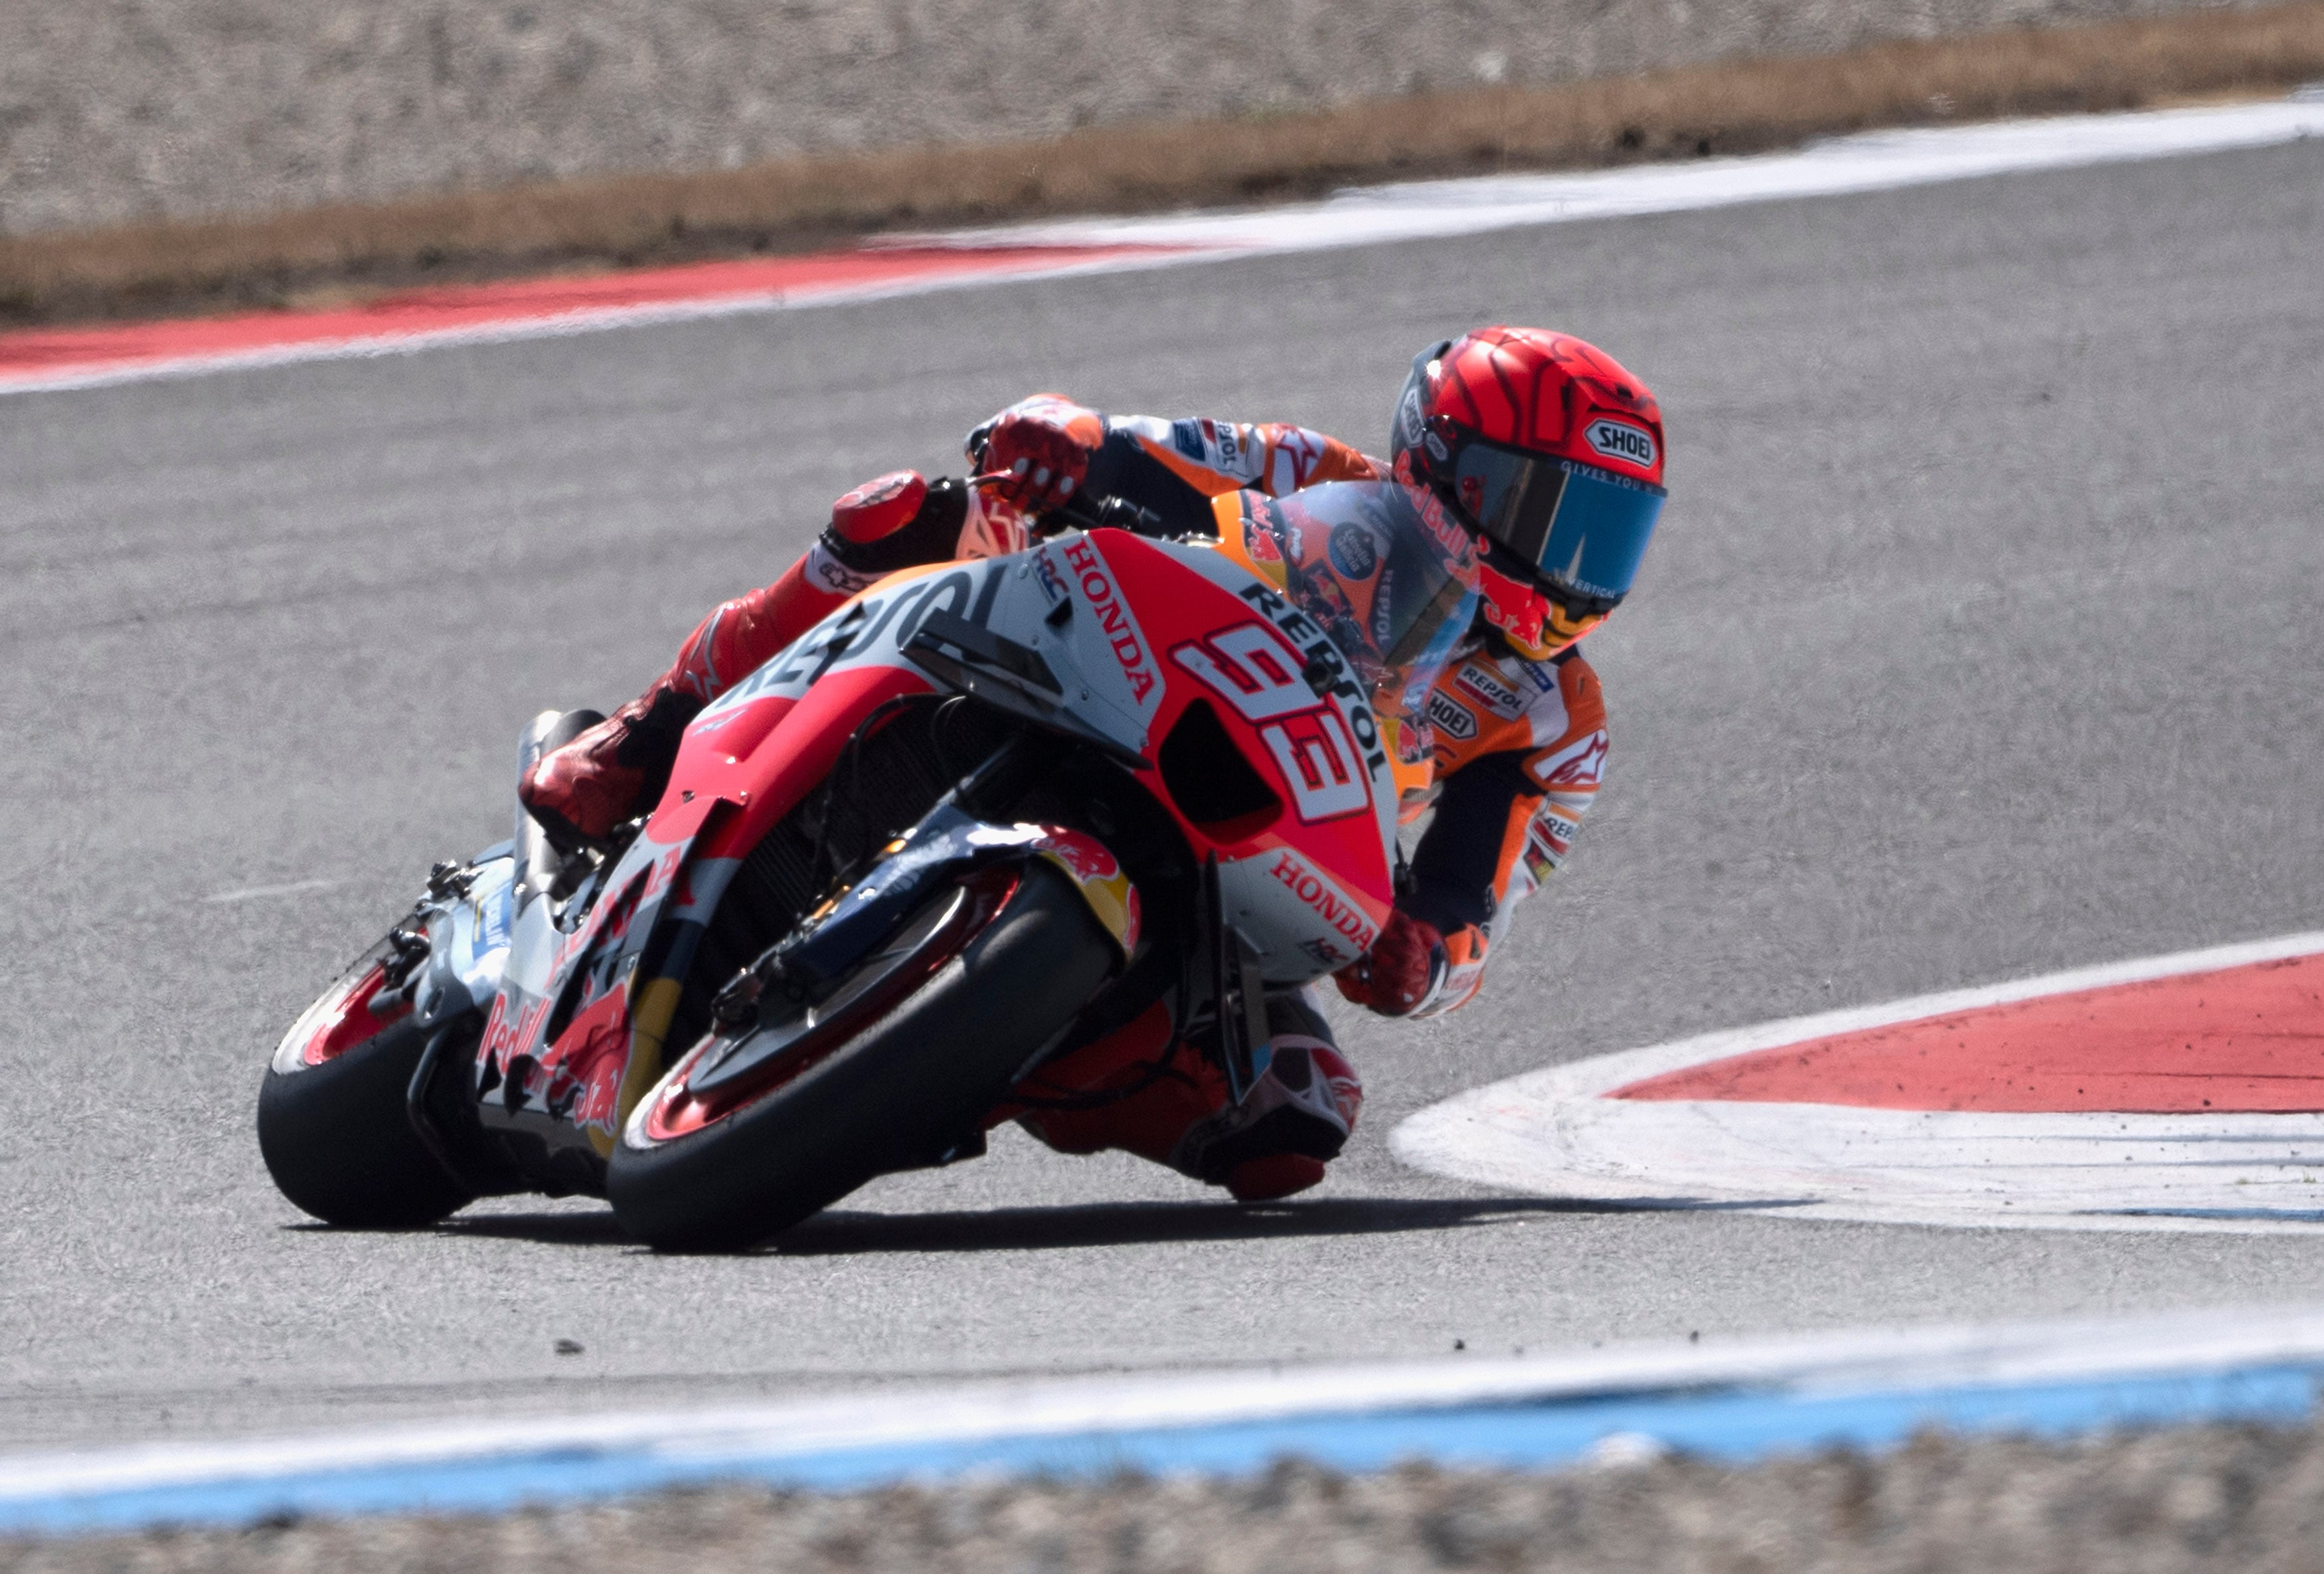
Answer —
1553 453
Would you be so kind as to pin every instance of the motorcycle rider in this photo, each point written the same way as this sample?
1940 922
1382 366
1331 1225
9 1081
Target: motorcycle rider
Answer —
1541 447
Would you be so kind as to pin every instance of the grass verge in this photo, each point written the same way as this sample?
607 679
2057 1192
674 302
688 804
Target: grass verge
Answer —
337 253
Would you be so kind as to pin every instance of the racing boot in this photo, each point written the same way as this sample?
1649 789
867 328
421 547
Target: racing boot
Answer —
617 769
1298 1112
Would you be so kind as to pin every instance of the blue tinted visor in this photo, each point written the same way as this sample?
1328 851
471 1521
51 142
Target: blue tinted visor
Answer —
1582 529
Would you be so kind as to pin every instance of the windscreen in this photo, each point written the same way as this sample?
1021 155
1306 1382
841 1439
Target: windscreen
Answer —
1381 570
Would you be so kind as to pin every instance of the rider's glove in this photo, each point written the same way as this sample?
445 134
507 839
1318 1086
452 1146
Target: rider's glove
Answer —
1401 971
1035 454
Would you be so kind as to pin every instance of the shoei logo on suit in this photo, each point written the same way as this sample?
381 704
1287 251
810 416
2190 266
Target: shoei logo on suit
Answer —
1450 716
1619 440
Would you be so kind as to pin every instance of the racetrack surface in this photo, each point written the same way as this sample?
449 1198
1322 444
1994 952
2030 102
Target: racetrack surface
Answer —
1979 641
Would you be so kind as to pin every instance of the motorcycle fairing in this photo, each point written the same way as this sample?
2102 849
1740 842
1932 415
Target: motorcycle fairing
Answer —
1309 889
1366 726
1118 623
467 942
949 842
875 630
575 1035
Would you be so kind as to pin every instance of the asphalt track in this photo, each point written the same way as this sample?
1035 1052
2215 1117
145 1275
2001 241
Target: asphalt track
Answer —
1980 641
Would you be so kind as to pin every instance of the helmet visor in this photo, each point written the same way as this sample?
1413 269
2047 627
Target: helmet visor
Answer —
1582 529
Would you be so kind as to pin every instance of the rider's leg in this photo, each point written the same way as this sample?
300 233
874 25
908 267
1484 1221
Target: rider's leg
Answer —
620 766
1133 1089
1297 1114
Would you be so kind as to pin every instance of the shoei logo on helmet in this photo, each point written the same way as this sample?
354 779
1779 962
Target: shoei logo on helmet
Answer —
1618 440
1410 418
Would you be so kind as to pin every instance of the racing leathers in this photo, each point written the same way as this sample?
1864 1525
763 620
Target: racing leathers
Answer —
1518 747
1519 744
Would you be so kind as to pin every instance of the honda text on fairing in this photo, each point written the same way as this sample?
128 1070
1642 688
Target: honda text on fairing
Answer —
984 815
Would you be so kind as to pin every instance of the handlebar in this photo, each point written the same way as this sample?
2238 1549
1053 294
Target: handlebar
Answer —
1091 512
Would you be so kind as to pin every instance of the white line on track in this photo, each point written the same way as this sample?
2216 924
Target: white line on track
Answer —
1869 161
254 893
1554 1133
1370 216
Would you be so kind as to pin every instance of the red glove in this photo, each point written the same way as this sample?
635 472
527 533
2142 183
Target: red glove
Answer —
1396 975
1037 453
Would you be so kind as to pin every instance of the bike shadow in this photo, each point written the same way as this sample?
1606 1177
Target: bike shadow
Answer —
1073 1227
1080 1225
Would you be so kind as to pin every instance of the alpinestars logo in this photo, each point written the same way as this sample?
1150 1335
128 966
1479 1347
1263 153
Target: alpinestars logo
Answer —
1580 763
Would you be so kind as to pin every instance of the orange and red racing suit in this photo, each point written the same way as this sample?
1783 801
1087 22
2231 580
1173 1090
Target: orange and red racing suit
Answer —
1519 746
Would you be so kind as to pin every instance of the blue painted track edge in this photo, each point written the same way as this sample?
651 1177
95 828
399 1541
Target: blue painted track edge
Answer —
1726 1424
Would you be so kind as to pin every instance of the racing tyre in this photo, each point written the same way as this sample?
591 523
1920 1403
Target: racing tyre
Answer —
746 1136
332 1119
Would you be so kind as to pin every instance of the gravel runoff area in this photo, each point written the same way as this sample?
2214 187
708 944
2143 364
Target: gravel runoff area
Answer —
120 111
344 251
2210 1497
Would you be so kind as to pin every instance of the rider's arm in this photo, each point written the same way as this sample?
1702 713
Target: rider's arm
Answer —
1513 795
1212 457
1172 469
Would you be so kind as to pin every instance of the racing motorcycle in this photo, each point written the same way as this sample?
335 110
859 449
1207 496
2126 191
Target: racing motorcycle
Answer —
985 813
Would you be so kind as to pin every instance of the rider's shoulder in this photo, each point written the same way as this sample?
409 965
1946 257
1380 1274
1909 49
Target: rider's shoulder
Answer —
1490 697
1563 674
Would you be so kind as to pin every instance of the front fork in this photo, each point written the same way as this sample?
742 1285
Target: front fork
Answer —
946 845
1237 993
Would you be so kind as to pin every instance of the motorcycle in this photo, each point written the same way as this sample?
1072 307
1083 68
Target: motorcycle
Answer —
984 814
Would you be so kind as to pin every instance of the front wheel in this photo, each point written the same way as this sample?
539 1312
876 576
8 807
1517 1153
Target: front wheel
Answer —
333 1121
747 1136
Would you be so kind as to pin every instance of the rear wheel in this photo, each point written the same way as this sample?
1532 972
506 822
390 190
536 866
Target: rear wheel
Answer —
748 1135
333 1124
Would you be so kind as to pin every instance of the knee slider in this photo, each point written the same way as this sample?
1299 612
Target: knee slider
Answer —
900 520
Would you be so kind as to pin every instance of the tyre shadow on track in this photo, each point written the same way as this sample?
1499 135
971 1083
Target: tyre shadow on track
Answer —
845 1233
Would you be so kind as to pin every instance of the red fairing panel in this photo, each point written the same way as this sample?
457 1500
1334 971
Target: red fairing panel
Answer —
1324 854
790 759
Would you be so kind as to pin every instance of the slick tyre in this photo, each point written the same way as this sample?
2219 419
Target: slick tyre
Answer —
971 1005
332 1121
